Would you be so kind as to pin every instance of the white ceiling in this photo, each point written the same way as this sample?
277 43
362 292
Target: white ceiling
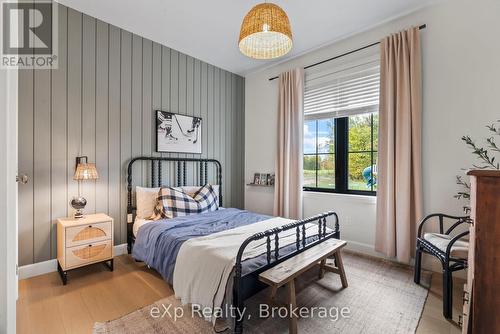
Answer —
209 29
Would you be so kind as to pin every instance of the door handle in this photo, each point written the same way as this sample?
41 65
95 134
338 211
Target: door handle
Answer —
22 178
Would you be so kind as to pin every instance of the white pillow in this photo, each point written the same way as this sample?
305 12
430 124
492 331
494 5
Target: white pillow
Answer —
145 199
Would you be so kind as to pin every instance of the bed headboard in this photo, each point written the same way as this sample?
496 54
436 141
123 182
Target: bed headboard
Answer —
161 169
170 172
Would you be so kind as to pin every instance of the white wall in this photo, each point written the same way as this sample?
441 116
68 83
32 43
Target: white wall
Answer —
461 71
356 216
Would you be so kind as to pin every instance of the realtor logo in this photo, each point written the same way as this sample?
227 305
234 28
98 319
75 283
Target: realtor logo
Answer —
29 35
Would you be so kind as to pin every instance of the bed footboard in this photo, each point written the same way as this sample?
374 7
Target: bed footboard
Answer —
272 237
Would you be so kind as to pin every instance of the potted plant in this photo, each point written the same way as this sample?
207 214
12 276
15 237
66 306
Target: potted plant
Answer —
488 157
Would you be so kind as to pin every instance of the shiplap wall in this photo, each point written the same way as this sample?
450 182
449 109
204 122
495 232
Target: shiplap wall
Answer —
100 103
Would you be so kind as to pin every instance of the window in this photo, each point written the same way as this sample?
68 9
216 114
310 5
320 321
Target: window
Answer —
319 154
341 131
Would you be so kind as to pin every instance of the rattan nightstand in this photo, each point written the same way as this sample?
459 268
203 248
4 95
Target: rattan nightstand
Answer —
84 241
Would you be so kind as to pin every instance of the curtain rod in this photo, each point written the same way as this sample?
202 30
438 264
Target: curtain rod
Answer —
423 26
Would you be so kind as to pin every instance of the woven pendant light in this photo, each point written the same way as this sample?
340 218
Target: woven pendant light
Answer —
265 32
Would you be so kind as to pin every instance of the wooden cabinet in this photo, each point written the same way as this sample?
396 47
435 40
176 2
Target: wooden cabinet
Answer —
482 291
84 241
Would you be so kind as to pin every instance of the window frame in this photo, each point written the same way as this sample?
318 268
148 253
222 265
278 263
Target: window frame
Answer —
341 159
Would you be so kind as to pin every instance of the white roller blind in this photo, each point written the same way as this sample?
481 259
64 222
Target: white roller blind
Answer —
342 93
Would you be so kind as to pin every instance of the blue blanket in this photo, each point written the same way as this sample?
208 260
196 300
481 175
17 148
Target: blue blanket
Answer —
157 244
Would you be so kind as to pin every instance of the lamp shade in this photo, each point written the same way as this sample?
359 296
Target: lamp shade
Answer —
265 32
85 171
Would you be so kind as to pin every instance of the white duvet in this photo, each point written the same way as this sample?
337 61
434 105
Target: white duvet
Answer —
204 264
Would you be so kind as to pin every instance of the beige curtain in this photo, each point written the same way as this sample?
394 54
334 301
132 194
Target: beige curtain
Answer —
288 182
399 193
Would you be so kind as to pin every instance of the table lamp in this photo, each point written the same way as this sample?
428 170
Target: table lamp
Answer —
84 171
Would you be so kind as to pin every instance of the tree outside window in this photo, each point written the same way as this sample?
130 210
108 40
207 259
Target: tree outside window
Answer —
340 154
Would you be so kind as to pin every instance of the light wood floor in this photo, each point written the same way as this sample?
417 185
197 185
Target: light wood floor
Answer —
432 320
96 294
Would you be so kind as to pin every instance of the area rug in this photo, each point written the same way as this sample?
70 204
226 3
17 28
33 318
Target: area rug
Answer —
381 298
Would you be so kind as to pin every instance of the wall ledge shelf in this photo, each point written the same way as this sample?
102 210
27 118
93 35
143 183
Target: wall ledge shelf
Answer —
260 185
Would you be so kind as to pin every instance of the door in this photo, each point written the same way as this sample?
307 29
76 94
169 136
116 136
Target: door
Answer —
8 200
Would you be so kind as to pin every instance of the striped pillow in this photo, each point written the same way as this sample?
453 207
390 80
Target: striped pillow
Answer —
175 203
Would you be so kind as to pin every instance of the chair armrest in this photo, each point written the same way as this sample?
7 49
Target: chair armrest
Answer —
441 217
460 221
453 240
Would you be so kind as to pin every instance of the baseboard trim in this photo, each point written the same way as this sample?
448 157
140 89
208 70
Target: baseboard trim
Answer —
428 263
120 249
36 269
363 248
369 250
45 267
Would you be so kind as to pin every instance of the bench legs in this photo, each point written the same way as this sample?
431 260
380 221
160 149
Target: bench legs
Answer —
274 290
340 266
322 268
293 304
338 269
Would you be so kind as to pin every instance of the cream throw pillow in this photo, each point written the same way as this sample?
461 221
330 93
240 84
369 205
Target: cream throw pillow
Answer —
145 201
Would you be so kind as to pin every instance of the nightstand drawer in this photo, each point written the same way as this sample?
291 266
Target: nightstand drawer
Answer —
84 254
85 234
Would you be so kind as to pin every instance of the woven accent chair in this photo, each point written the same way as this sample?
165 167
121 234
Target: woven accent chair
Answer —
451 250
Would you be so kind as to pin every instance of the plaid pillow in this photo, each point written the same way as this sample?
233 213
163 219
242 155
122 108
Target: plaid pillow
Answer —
207 198
174 202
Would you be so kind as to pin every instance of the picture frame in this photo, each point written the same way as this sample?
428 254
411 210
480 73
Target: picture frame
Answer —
256 178
263 179
271 179
178 133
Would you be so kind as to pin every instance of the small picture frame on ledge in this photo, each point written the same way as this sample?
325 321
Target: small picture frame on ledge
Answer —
263 179
256 178
270 179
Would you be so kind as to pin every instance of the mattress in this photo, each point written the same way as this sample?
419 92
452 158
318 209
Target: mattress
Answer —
158 244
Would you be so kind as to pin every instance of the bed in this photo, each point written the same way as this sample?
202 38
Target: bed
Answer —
230 245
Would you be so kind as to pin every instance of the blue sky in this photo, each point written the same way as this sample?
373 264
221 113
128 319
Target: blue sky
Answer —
310 136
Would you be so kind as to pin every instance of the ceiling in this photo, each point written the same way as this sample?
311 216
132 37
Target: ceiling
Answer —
209 30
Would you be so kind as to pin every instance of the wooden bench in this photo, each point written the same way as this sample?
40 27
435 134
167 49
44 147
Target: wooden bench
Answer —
287 271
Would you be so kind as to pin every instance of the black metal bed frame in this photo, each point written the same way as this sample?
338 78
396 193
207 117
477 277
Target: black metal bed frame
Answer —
180 166
245 284
449 264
